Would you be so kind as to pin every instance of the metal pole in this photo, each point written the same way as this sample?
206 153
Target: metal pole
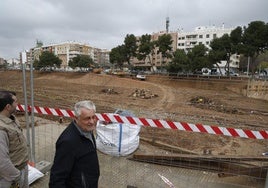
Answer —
26 111
32 115
248 65
266 181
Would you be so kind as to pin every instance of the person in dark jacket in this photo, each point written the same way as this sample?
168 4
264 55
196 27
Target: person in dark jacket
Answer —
76 163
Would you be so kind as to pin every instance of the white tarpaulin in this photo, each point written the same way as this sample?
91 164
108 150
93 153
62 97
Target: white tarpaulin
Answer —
117 139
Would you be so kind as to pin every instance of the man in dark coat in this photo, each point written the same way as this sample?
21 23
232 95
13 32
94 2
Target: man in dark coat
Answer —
76 162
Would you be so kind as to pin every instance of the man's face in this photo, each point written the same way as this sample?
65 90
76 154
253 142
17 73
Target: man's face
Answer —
12 107
87 120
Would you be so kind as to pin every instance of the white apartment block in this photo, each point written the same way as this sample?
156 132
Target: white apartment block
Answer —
201 35
204 35
13 62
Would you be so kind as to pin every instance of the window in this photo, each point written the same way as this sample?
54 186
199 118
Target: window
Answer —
200 36
207 36
214 35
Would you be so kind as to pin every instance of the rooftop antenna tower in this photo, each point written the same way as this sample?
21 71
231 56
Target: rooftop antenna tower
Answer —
167 24
39 43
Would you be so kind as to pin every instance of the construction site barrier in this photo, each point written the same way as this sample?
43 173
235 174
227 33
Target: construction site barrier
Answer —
183 126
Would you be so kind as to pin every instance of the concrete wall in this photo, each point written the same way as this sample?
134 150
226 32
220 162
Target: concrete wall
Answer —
257 89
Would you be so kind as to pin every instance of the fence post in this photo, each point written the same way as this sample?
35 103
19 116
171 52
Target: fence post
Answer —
32 115
26 111
266 181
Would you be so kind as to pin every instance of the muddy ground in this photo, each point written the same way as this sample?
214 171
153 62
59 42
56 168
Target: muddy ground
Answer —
204 101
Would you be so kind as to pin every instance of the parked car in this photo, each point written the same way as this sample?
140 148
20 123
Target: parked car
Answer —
234 74
231 73
133 73
141 76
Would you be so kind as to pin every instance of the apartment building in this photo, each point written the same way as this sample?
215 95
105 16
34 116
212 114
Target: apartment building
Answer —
25 57
102 57
14 62
201 35
185 41
204 35
65 51
68 50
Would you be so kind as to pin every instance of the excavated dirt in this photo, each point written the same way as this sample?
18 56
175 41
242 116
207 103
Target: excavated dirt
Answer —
203 101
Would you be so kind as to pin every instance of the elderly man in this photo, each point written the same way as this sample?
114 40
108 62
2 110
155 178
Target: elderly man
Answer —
76 162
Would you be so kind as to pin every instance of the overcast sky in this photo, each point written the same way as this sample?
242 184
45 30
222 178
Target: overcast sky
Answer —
105 23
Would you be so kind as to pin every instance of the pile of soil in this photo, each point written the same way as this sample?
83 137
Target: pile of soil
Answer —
143 94
207 103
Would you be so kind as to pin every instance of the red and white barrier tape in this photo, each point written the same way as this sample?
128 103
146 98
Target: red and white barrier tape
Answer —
108 117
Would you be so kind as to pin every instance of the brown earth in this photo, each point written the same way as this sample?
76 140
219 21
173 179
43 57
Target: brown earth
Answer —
208 102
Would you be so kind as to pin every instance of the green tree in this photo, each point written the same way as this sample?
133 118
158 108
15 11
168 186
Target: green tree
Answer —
198 57
4 65
130 47
47 59
222 48
117 55
36 64
164 44
81 61
146 48
262 61
263 65
236 39
179 63
254 41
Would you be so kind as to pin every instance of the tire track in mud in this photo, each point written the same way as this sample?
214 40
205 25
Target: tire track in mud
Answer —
167 97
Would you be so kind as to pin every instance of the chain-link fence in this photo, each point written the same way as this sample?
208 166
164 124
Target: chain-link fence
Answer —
165 157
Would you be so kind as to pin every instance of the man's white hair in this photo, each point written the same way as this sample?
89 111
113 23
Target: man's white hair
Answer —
83 104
